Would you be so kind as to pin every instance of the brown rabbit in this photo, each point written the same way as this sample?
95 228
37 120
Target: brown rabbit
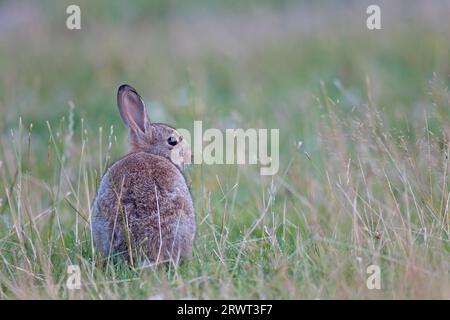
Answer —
143 206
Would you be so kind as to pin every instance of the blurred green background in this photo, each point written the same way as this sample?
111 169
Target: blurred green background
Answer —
228 63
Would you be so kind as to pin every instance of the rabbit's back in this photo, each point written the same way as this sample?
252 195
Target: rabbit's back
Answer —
143 206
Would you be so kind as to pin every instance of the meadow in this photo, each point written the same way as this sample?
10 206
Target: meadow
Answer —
364 119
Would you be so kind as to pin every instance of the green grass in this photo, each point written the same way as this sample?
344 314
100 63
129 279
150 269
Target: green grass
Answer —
369 184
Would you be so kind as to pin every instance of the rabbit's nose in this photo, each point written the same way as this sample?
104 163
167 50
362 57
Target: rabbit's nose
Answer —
188 157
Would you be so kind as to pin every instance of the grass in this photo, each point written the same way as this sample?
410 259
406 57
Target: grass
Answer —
368 184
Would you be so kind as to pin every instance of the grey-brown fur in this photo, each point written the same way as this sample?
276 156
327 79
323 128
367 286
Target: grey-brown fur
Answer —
143 206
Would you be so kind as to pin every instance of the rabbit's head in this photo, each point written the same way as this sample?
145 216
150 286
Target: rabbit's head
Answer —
144 136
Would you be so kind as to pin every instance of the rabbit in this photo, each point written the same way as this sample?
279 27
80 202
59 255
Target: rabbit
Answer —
143 207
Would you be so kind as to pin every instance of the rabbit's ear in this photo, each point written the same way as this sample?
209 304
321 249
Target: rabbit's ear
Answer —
132 109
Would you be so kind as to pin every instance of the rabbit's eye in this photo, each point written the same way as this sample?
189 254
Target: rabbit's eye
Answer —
172 141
